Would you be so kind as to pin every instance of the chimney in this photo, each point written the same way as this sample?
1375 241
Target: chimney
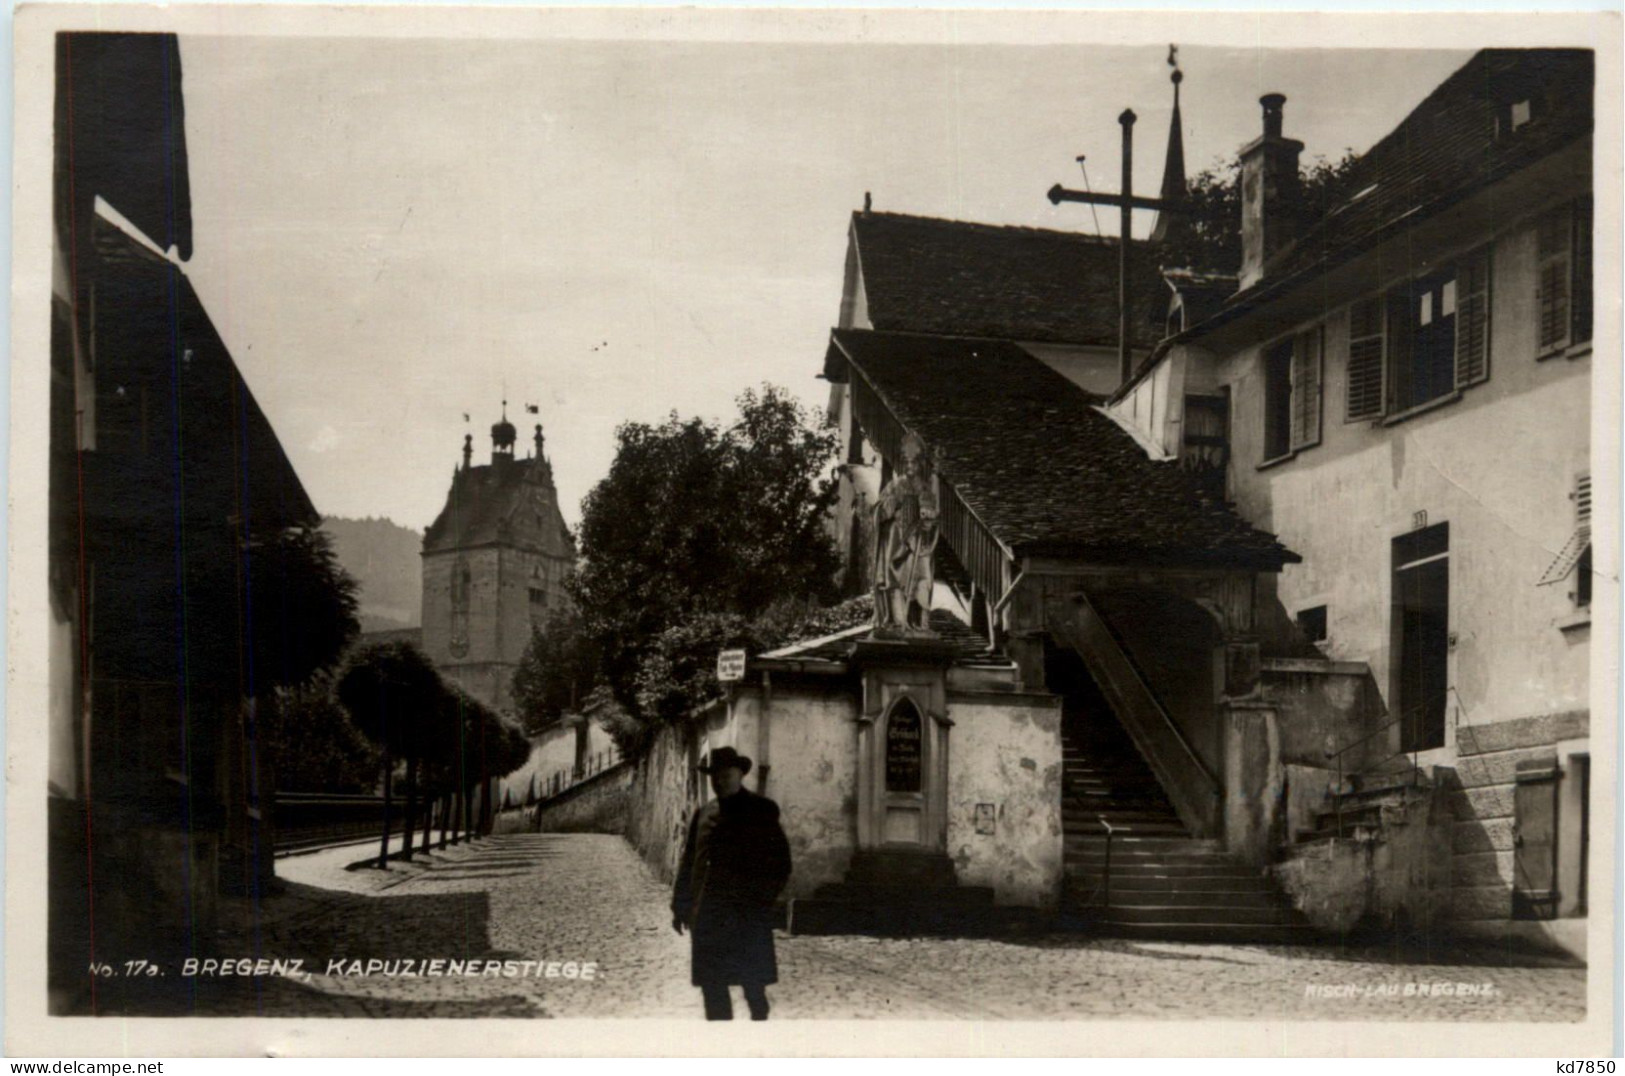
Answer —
1271 194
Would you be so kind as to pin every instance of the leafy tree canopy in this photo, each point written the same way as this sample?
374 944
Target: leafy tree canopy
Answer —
470 739
394 696
557 671
679 674
317 747
302 602
1212 240
695 520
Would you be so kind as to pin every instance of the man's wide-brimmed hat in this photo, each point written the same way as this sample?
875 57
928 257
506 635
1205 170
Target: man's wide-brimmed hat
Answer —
722 758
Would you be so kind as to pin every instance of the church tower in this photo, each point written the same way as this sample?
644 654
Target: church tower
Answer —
494 563
1172 223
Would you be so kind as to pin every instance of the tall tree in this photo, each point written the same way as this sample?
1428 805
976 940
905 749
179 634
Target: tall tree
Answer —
694 518
557 670
302 604
319 747
395 698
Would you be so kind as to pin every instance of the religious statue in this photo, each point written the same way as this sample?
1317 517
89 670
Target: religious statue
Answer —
906 532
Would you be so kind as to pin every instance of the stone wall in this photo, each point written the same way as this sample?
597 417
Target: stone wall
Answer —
1253 782
1398 881
553 752
1481 793
1005 754
1322 706
661 796
597 805
600 804
804 738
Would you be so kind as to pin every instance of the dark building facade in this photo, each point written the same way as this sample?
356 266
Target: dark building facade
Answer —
166 483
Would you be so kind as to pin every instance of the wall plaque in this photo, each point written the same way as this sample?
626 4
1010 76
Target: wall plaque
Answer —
903 749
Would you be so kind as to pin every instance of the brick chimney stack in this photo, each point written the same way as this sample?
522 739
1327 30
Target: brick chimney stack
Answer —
1271 193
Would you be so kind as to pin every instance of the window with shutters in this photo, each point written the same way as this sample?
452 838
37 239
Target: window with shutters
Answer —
1422 324
1563 277
1422 341
1292 389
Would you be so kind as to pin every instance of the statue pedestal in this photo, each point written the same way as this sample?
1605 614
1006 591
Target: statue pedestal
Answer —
879 650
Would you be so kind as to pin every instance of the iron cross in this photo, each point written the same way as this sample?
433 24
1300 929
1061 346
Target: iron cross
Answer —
1127 202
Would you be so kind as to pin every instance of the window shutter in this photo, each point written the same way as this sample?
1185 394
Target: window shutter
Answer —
1581 330
1473 319
1399 325
1575 549
1365 361
1306 389
1554 233
1582 505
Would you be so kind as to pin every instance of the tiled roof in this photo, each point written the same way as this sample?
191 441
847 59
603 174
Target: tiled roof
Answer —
1043 469
956 278
512 503
1451 144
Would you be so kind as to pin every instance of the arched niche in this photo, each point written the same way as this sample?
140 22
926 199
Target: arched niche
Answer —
903 762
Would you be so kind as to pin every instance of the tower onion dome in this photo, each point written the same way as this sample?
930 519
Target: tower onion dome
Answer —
503 434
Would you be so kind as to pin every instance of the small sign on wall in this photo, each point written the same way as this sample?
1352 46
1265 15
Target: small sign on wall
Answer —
986 819
730 666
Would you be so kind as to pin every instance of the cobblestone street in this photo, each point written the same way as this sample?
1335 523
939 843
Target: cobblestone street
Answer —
575 900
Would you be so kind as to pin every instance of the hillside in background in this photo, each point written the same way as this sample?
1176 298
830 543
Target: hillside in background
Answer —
383 557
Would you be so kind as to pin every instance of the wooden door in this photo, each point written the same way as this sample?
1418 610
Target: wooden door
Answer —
1534 871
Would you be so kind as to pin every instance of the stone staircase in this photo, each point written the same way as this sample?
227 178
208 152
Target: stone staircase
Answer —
1164 884
1367 802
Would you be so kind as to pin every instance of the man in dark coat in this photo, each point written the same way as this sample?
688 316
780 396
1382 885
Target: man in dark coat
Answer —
735 862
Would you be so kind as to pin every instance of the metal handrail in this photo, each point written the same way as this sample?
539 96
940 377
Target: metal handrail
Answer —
1106 874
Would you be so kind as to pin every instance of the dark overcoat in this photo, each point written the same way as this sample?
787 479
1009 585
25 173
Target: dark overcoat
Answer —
735 862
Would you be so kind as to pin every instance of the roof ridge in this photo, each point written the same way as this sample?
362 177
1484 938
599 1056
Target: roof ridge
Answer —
1024 229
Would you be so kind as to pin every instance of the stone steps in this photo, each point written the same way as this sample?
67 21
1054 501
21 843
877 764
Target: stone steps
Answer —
1165 884
1259 897
1191 884
1213 933
1153 868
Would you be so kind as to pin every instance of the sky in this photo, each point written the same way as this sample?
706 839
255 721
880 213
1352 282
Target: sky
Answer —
393 233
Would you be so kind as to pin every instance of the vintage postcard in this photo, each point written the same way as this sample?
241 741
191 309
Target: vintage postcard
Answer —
989 531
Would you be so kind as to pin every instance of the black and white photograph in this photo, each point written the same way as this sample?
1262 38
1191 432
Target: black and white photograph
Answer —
1030 524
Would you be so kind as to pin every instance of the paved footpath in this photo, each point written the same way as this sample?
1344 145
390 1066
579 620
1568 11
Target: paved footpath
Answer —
553 903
